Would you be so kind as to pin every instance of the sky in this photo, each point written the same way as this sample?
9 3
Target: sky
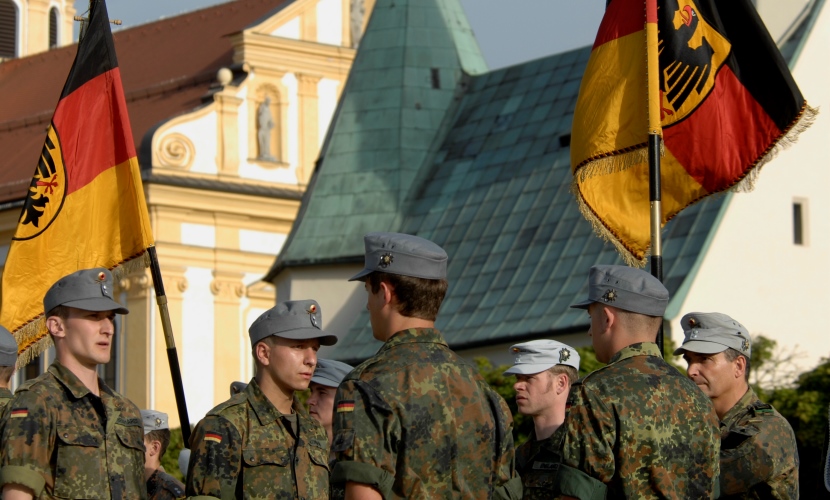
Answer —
508 31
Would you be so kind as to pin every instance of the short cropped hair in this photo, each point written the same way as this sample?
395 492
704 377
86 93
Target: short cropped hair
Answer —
162 436
417 297
6 373
60 311
570 371
732 354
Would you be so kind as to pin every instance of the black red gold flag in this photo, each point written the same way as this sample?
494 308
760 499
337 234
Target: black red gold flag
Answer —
85 205
727 104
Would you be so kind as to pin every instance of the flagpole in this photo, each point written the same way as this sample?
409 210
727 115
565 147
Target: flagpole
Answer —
172 355
654 147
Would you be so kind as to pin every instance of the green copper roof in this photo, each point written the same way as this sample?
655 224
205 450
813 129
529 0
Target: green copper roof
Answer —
401 89
497 198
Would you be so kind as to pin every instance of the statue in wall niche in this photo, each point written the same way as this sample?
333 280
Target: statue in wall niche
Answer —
356 24
265 123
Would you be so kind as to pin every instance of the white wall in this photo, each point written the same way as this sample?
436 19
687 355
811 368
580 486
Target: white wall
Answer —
753 271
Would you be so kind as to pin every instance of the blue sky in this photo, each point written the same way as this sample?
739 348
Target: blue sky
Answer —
508 31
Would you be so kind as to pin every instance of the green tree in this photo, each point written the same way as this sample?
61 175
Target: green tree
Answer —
170 460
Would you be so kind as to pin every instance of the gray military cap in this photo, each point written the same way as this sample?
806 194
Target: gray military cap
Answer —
8 348
711 333
330 372
626 288
404 255
154 420
293 319
88 289
539 355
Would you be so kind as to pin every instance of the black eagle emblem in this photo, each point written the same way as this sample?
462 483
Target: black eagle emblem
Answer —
683 69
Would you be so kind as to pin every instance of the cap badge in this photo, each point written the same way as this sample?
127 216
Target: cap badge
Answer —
564 355
692 322
610 295
312 310
158 422
102 276
516 349
385 260
745 345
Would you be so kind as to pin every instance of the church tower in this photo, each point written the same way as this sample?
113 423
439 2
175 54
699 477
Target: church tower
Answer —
31 26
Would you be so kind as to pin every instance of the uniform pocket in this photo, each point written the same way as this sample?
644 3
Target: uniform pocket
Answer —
81 463
255 457
130 458
319 456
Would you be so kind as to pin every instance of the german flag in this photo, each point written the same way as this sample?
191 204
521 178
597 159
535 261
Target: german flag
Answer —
726 104
85 205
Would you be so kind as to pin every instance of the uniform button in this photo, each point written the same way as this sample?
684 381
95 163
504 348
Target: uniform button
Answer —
66 436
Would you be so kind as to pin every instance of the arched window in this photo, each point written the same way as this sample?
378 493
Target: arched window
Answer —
53 27
8 29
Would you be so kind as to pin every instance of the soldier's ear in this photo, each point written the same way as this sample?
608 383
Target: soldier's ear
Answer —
262 352
55 326
740 367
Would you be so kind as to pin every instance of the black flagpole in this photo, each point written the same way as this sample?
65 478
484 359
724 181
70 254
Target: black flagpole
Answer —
172 356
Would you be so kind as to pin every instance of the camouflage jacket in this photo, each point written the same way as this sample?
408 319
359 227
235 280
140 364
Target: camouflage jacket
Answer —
62 441
5 397
538 463
163 486
244 448
758 456
642 428
417 421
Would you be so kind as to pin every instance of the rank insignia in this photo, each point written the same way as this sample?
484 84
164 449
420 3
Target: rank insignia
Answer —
564 355
745 345
20 413
213 437
312 310
385 260
693 335
610 295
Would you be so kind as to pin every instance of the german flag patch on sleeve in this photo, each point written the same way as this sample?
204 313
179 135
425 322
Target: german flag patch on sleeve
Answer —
20 413
345 406
213 437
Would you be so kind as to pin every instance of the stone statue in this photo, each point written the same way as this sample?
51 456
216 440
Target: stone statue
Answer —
265 122
356 21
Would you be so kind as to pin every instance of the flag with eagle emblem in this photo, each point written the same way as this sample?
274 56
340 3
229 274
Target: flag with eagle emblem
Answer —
726 102
85 204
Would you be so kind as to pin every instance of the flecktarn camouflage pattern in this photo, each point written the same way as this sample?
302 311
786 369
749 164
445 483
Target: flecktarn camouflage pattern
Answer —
56 441
758 454
538 463
5 397
642 428
417 421
244 448
163 486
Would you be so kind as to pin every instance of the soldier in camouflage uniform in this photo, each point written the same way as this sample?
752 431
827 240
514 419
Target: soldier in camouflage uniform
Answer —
327 376
544 370
8 358
758 455
636 425
160 484
261 443
415 420
65 433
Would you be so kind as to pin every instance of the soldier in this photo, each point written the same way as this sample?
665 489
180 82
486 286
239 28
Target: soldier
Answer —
327 376
8 358
160 484
544 370
637 425
65 433
758 455
415 420
261 443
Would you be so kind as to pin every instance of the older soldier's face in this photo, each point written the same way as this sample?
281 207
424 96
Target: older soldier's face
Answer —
86 336
535 394
713 373
291 363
